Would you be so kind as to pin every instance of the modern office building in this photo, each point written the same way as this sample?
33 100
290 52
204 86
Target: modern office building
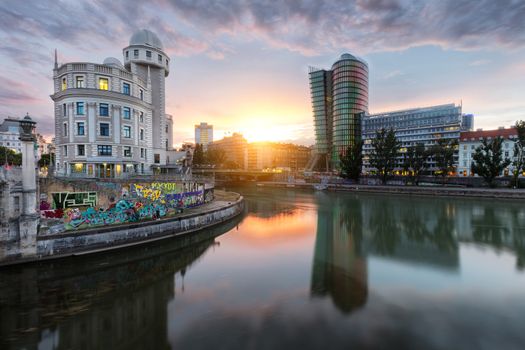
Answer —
412 126
203 134
339 98
110 118
235 148
9 134
470 140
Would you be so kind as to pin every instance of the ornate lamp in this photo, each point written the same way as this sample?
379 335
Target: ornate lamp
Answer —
27 126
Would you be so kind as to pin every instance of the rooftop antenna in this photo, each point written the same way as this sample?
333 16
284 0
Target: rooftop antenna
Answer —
56 60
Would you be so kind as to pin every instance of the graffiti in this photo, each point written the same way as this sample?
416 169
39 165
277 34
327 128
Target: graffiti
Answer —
79 210
64 200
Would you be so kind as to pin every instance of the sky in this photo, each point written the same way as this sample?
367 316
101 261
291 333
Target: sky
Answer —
243 65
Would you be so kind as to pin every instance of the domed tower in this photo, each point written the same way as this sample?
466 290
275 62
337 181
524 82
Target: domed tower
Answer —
145 57
350 101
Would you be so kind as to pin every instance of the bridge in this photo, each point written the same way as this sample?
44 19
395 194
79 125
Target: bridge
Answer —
239 174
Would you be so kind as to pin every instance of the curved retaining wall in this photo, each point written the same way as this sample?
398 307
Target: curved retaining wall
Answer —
108 238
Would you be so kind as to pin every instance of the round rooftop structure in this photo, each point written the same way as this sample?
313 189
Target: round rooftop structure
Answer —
112 61
147 38
347 56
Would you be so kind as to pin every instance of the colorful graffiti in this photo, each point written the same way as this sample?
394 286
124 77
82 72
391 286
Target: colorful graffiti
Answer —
141 202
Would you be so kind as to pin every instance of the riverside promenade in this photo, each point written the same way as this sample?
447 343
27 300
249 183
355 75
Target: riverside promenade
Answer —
437 190
227 205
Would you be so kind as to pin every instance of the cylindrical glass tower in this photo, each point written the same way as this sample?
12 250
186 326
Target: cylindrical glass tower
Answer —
350 100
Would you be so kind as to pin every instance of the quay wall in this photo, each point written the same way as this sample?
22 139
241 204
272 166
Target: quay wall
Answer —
69 243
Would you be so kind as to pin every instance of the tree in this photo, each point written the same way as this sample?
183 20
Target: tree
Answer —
198 155
443 153
488 161
10 157
351 161
519 152
216 156
384 153
415 161
45 160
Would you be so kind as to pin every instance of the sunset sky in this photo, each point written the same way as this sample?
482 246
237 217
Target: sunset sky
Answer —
242 65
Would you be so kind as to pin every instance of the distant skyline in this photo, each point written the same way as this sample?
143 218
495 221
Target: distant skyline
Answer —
243 65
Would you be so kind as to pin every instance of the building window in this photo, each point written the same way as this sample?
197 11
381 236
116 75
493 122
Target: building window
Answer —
65 151
81 150
104 150
141 117
104 129
126 113
142 134
103 110
125 89
64 83
141 94
136 53
80 129
103 83
148 54
156 157
142 153
65 129
160 58
166 62
127 151
127 54
127 131
79 82
64 110
80 108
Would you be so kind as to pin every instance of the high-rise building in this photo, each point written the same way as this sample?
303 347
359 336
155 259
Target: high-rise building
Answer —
235 148
339 99
110 118
424 125
203 134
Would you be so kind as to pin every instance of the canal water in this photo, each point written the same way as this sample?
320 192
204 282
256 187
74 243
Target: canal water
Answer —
300 270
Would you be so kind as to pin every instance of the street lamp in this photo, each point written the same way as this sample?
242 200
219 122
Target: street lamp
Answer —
27 126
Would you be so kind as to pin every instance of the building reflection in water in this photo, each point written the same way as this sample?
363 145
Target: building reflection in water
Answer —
339 269
111 301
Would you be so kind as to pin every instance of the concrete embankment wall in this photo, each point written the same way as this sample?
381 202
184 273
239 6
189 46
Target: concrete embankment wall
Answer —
411 190
113 237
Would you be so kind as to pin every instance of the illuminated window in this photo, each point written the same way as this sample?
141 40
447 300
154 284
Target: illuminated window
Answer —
79 82
80 108
103 110
64 83
103 83
126 113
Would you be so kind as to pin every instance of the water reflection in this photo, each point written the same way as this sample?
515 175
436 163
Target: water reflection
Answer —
112 301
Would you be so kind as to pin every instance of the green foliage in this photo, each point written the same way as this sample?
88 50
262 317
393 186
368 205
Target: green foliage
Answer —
198 155
519 152
10 157
415 161
384 153
443 153
46 159
488 161
216 156
351 161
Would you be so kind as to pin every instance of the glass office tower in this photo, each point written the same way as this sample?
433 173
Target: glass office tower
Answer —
339 99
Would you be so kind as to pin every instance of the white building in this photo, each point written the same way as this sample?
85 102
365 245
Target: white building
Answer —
9 134
469 141
110 118
203 134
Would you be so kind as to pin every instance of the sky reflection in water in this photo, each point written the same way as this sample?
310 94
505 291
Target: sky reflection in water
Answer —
309 270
